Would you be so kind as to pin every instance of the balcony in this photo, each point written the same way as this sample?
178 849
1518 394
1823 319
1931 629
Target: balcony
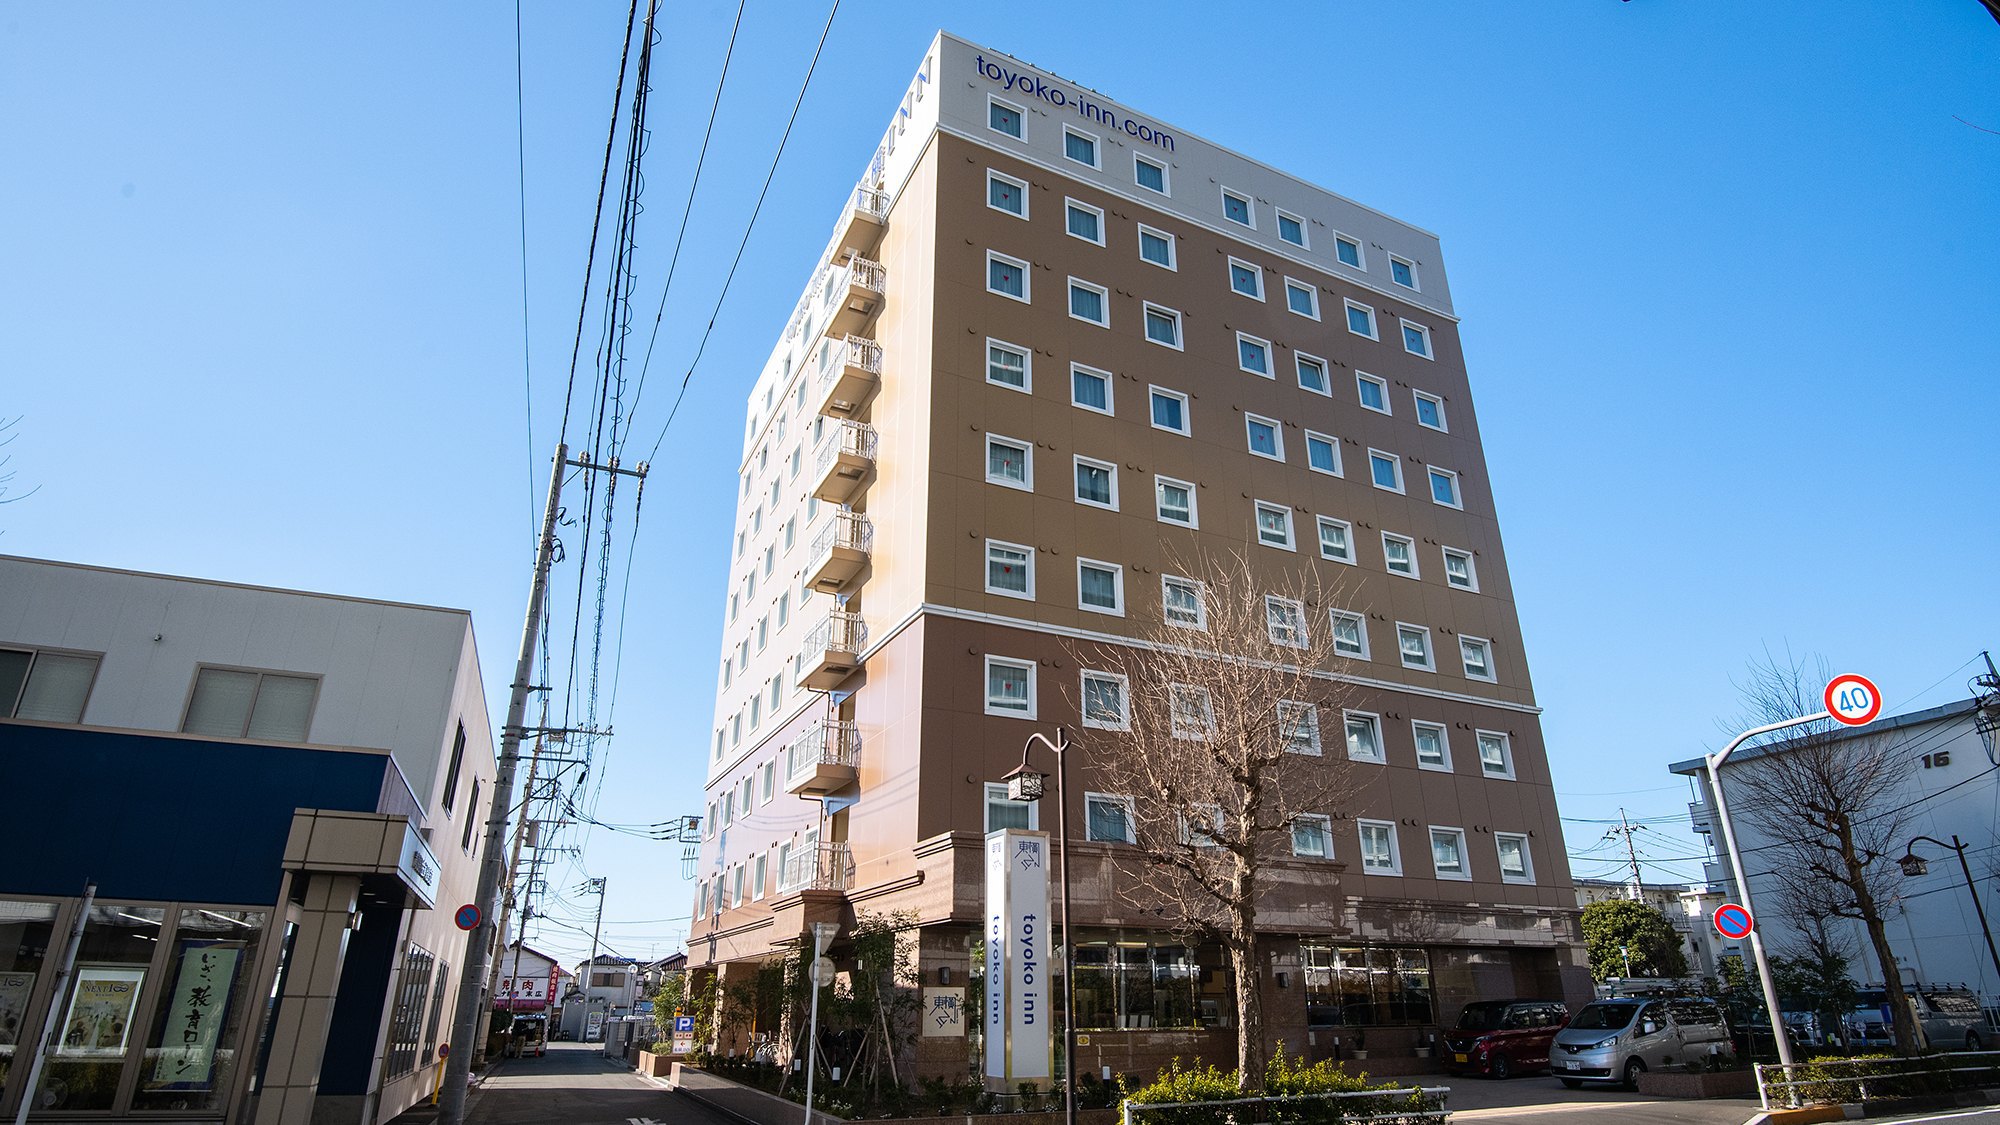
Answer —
832 652
1701 817
827 867
861 224
824 759
839 552
855 293
1717 875
845 458
850 369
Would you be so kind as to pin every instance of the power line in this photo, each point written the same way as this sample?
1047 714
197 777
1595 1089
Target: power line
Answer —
521 184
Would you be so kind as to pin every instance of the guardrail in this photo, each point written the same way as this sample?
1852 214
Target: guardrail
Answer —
1842 1081
1420 1105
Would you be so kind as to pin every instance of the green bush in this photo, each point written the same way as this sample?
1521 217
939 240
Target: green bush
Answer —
1294 1093
1839 1079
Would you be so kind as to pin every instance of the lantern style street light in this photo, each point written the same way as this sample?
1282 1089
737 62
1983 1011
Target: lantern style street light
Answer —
1914 865
1026 783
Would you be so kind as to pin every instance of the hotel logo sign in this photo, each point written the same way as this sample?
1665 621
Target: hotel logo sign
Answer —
1020 1008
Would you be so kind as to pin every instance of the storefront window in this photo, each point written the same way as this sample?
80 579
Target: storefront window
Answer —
98 1015
198 1031
25 930
1134 985
1348 986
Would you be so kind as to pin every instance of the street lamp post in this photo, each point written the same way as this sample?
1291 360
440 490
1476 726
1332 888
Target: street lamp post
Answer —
1914 865
1025 784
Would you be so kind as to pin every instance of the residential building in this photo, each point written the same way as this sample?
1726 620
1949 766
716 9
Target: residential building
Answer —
1052 343
603 989
273 793
531 982
1689 908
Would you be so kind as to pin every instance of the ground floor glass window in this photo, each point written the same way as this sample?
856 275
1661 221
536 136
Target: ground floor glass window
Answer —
1348 986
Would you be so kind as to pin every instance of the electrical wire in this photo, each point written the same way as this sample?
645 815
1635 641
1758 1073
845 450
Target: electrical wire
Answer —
521 184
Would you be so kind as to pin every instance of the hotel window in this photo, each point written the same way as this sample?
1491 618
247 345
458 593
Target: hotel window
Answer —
760 874
263 706
1378 848
1107 819
1096 483
1007 365
1190 711
1246 279
1430 411
1312 374
1348 251
1175 499
1253 355
1236 209
1302 299
1010 569
763 632
1444 488
1448 853
1010 687
1373 391
1433 746
1350 633
1080 147
1402 272
1416 339
1336 540
1478 657
1090 303
1515 864
1181 603
756 710
1386 470
51 687
1274 526
1496 754
1170 411
1010 463
1090 388
1458 570
767 779
1006 276
1156 246
1312 836
1084 221
1149 174
1100 587
770 559
1005 193
1361 320
784 609
1284 621
1292 229
1003 118
1003 812
1323 453
729 807
777 694
1104 702
1265 438
1163 326
1413 642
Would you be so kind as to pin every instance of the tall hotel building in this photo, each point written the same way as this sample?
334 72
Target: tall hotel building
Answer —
1052 344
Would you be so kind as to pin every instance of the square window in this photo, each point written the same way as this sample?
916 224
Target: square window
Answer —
1458 571
1284 621
1003 812
1515 864
1006 276
1246 279
1374 392
1430 411
1005 193
1010 687
1348 251
1181 603
1298 727
1378 848
1105 702
1084 221
1361 320
1274 525
1007 365
1301 298
1090 388
1323 453
1170 411
1416 339
1478 657
1433 746
1236 209
1399 555
1292 229
1253 355
1010 463
1149 174
1096 483
1312 374
1496 754
1100 587
1448 853
1364 737
1386 470
1107 819
1191 712
1336 540
1266 440
1156 246
1402 272
1413 642
1163 326
1080 147
1444 488
1010 570
1175 501
1350 633
1312 836
1003 118
1091 303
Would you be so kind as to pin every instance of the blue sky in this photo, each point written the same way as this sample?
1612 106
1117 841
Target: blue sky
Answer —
1726 273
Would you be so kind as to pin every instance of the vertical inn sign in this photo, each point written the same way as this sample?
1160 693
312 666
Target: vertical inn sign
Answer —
1020 978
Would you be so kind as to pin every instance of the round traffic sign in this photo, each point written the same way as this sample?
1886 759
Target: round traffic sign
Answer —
822 972
468 917
1732 921
444 1050
1853 700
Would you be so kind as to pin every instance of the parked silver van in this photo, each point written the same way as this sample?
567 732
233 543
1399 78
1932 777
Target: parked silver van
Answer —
1617 1040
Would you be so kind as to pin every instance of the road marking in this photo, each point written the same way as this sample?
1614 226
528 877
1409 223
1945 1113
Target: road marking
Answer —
1561 1107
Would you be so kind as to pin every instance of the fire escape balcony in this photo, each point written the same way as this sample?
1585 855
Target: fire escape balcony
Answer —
850 370
861 224
845 458
839 552
1701 817
823 760
832 652
857 287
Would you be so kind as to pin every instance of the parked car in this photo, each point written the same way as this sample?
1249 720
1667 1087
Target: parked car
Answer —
1501 1038
1617 1040
1950 1018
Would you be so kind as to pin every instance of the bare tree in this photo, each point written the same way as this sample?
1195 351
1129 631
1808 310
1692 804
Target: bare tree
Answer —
1828 807
1235 735
7 474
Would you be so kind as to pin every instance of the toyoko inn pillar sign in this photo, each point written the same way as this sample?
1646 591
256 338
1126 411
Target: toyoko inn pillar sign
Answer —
1020 973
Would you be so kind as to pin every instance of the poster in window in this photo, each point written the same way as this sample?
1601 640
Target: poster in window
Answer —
197 1011
100 1010
14 991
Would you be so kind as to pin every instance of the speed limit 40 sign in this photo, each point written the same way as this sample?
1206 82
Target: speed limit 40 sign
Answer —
1853 700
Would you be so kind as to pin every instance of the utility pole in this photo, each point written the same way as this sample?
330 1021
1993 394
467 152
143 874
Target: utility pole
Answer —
590 971
507 890
1625 829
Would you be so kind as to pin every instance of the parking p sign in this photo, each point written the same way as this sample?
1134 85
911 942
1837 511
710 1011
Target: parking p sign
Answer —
683 1025
1853 700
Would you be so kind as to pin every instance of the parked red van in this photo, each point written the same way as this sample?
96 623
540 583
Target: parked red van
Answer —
1501 1038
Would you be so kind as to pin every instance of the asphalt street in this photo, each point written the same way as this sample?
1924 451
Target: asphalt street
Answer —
575 1084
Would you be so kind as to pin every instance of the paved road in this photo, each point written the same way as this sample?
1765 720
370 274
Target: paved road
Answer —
1541 1100
576 1085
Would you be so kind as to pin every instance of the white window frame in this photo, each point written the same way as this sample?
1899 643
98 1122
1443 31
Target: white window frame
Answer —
986 569
1527 876
1360 251
1320 523
1174 694
1027 451
1312 296
1080 205
1431 474
1325 389
1111 470
1166 175
1026 296
986 686
1257 528
1420 397
1192 837
1069 306
1020 114
1096 161
1333 619
1200 624
1256 277
1297 610
1492 675
1147 309
1277 436
1131 821
998 789
1305 229
1187 410
1417 727
1124 720
1325 825
1464 872
1374 326
1339 468
1430 651
1172 264
1430 349
1374 722
1027 365
1249 206
1243 338
1394 461
1380 384
1395 867
1506 753
1193 508
1110 389
1311 744
1471 584
993 174
1117 608
760 867
1415 285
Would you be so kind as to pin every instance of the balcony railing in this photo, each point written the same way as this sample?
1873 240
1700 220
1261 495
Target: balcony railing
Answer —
850 369
833 650
828 867
1701 816
845 457
824 759
861 223
839 552
857 288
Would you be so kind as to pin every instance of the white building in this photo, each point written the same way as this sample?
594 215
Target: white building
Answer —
606 988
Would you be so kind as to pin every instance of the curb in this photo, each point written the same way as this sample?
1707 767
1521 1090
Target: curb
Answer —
1799 1116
